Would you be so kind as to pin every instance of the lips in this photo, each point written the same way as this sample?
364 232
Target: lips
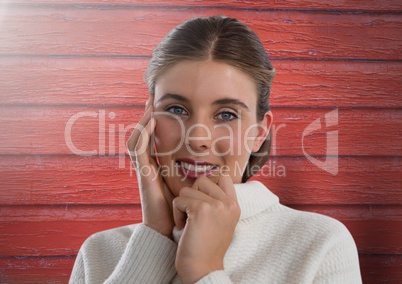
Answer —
194 169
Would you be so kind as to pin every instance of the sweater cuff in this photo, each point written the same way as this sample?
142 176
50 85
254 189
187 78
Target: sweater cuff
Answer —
216 277
148 258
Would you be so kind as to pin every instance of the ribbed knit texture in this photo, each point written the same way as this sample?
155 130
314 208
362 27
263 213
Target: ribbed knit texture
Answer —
272 244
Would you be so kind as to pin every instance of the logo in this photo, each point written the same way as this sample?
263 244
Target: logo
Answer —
330 164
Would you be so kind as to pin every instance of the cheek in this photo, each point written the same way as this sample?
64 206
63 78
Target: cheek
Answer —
167 134
249 137
244 140
236 142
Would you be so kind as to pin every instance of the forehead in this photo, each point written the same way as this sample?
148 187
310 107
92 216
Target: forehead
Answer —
206 81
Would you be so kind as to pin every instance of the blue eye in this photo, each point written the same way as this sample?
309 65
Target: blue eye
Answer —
227 116
176 110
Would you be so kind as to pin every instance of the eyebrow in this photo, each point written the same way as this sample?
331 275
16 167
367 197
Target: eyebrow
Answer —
225 101
230 101
173 96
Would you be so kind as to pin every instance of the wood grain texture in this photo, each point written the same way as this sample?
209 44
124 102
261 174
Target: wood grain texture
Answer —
41 180
368 5
58 230
61 230
30 270
90 130
285 34
381 269
117 81
60 58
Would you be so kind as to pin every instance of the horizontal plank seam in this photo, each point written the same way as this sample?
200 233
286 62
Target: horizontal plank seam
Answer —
271 156
22 257
74 205
64 56
138 205
273 107
126 56
199 7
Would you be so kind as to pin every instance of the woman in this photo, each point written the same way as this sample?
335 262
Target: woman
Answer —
204 133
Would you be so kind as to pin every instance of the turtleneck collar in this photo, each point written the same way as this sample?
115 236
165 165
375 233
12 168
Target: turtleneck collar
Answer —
254 198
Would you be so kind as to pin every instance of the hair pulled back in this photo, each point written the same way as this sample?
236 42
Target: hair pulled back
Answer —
221 39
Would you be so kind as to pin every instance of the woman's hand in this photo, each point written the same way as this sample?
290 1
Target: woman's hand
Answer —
156 198
209 213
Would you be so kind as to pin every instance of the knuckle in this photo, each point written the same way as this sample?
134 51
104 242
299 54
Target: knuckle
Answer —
220 206
233 207
203 208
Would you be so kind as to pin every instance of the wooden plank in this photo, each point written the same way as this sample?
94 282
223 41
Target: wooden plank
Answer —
58 230
381 268
362 180
368 5
40 231
118 81
67 180
375 228
371 179
85 130
29 180
59 81
374 268
285 34
336 84
29 270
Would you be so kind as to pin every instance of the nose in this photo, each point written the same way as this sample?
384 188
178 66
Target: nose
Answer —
199 137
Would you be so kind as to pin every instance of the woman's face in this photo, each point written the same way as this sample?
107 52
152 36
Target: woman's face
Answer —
206 122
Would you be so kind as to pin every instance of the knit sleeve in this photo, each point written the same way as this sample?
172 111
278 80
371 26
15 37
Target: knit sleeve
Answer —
216 277
147 257
341 262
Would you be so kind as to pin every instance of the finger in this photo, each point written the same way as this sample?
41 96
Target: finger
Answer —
189 192
180 209
225 182
209 187
149 102
142 149
185 208
133 140
223 188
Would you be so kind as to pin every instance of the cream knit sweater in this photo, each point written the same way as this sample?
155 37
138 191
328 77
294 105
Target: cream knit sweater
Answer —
272 244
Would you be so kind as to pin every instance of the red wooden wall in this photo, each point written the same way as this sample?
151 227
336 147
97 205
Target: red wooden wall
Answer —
77 65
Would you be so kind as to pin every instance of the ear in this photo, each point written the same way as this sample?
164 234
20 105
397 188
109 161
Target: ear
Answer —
264 126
